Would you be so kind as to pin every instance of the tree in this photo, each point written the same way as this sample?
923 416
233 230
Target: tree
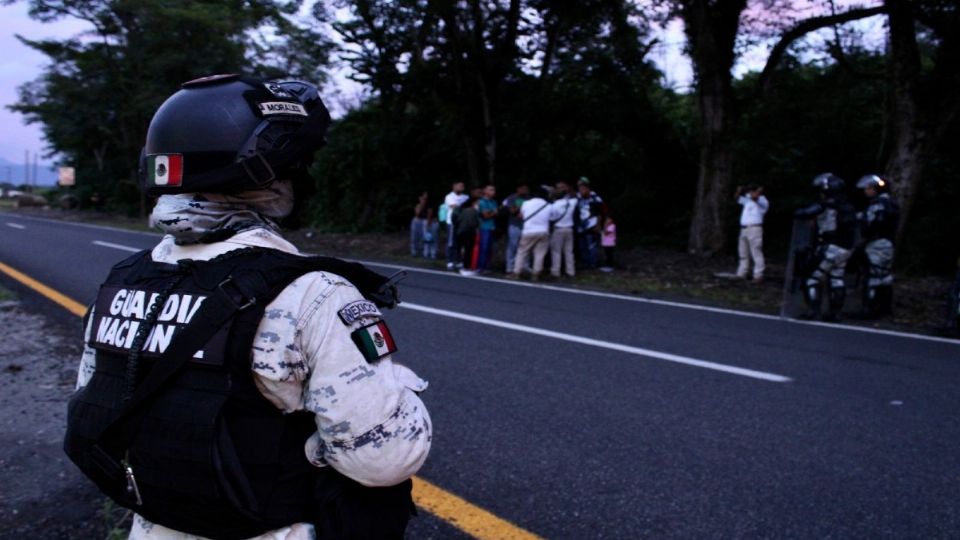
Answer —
924 103
713 28
96 97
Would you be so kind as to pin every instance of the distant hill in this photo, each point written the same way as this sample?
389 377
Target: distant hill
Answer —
15 173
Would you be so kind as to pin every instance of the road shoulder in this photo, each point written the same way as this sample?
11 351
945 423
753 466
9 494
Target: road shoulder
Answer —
43 494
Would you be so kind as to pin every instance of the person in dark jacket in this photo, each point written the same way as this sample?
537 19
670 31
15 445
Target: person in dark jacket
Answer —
466 225
878 226
835 222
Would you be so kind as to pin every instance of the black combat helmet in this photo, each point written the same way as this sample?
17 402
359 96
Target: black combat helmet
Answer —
229 133
874 181
829 183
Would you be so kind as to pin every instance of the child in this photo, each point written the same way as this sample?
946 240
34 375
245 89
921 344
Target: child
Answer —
430 238
609 242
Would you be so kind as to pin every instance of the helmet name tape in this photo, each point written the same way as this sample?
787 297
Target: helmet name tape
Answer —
282 107
165 169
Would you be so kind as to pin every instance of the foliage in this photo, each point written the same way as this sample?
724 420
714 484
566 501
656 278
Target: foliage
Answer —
97 95
521 91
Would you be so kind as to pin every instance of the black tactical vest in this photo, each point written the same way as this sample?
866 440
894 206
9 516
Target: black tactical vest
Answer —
837 224
881 218
205 452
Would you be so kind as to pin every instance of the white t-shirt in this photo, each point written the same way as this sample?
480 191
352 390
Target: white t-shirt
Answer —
536 217
562 211
453 200
753 210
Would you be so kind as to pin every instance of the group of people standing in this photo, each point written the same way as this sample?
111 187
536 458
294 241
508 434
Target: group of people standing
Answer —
837 232
840 231
568 224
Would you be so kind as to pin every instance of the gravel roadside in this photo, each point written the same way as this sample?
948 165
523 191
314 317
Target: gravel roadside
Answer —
42 494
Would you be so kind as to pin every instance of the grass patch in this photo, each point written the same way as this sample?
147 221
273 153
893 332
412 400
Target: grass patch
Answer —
116 520
919 301
6 295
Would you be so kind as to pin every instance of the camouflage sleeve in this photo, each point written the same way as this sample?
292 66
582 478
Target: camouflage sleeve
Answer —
371 424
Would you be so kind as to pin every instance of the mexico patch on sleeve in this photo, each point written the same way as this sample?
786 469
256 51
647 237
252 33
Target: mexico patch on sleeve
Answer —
374 341
354 311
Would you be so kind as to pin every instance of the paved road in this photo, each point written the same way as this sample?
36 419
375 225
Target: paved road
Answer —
596 416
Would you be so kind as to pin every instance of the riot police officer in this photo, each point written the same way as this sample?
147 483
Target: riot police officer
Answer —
231 387
835 223
878 227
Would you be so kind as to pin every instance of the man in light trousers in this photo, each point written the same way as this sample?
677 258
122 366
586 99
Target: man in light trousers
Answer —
562 211
535 238
755 206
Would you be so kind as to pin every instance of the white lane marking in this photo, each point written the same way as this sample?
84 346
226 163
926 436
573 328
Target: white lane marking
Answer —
599 294
116 246
744 372
83 225
643 300
16 225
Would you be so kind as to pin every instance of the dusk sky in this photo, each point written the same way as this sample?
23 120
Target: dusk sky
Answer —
19 64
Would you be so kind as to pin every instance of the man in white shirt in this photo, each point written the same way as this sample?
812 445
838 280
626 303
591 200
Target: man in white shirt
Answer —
535 237
755 205
453 200
562 212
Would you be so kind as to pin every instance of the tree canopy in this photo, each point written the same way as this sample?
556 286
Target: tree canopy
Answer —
534 91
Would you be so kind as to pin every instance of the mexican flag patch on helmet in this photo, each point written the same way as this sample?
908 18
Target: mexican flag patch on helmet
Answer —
165 169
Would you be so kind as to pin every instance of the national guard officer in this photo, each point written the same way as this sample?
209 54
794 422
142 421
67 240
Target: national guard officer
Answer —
231 387
878 227
835 223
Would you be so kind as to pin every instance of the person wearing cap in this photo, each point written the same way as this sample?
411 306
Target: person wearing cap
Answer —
231 387
750 245
588 218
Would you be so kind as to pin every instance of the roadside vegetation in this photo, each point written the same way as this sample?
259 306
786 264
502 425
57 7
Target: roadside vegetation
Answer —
515 91
658 272
6 295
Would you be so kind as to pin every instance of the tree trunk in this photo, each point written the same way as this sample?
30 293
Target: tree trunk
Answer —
904 167
489 134
473 162
711 28
708 228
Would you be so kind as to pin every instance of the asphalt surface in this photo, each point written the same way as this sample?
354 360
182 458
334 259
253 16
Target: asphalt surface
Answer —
578 416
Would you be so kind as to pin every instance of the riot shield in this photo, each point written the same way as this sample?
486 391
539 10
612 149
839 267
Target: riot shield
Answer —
799 261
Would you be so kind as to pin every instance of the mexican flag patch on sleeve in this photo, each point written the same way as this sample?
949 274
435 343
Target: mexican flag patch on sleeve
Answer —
374 341
165 169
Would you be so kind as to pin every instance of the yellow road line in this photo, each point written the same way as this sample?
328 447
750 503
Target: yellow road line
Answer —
471 519
68 303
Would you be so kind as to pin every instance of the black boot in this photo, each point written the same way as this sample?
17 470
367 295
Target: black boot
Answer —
811 297
836 295
883 301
